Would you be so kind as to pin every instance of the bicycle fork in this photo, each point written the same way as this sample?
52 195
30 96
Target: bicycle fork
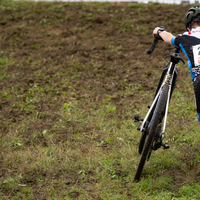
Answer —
169 79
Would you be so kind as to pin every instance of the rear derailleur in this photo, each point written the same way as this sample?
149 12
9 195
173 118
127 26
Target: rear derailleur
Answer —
159 144
158 140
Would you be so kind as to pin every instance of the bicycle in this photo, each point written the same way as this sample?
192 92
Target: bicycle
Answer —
153 126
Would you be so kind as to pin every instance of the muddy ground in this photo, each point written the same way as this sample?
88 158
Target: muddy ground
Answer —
49 39
76 51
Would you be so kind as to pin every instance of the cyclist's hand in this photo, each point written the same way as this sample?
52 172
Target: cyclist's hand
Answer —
155 31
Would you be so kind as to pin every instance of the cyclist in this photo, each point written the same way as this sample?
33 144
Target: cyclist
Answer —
190 45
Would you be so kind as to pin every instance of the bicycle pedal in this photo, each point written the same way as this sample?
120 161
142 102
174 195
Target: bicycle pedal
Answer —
165 146
137 118
138 128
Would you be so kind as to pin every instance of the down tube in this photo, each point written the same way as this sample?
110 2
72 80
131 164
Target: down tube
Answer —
152 105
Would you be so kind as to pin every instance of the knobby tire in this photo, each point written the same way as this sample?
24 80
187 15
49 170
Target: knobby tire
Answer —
145 132
142 141
155 121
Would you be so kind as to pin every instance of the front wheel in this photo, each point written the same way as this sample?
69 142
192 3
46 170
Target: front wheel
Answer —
155 121
142 141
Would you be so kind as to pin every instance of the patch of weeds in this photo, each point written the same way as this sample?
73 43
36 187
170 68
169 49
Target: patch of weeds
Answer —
110 108
82 16
136 5
126 26
190 191
38 62
180 139
58 8
117 49
67 4
67 18
143 30
163 195
188 139
27 107
178 94
90 17
23 192
47 22
37 46
136 86
3 75
17 143
69 107
3 72
110 166
15 38
150 187
75 193
165 159
9 184
6 95
3 61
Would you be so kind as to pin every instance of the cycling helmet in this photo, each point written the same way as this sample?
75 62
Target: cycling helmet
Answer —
190 15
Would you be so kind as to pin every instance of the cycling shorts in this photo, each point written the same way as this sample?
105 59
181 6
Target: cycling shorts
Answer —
196 84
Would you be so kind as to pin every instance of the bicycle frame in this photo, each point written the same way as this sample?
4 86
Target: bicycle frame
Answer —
168 81
175 58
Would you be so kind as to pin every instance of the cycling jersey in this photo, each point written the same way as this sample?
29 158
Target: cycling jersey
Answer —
190 45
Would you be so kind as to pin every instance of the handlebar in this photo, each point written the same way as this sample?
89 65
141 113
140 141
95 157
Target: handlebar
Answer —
175 57
157 37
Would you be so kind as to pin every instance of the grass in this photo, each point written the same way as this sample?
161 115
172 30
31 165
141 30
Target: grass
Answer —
73 75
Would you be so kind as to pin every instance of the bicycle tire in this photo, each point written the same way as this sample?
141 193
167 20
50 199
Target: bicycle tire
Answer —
142 141
145 132
155 121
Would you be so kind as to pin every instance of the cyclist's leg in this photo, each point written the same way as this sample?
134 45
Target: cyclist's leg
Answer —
196 84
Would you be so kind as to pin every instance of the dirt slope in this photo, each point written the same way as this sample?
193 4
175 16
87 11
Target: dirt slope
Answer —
55 54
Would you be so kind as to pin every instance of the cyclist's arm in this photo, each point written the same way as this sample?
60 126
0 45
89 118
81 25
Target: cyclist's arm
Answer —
166 36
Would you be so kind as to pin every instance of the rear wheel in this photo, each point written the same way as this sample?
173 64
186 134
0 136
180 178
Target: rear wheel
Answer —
155 121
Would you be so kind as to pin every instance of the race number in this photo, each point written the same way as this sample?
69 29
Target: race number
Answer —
196 53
